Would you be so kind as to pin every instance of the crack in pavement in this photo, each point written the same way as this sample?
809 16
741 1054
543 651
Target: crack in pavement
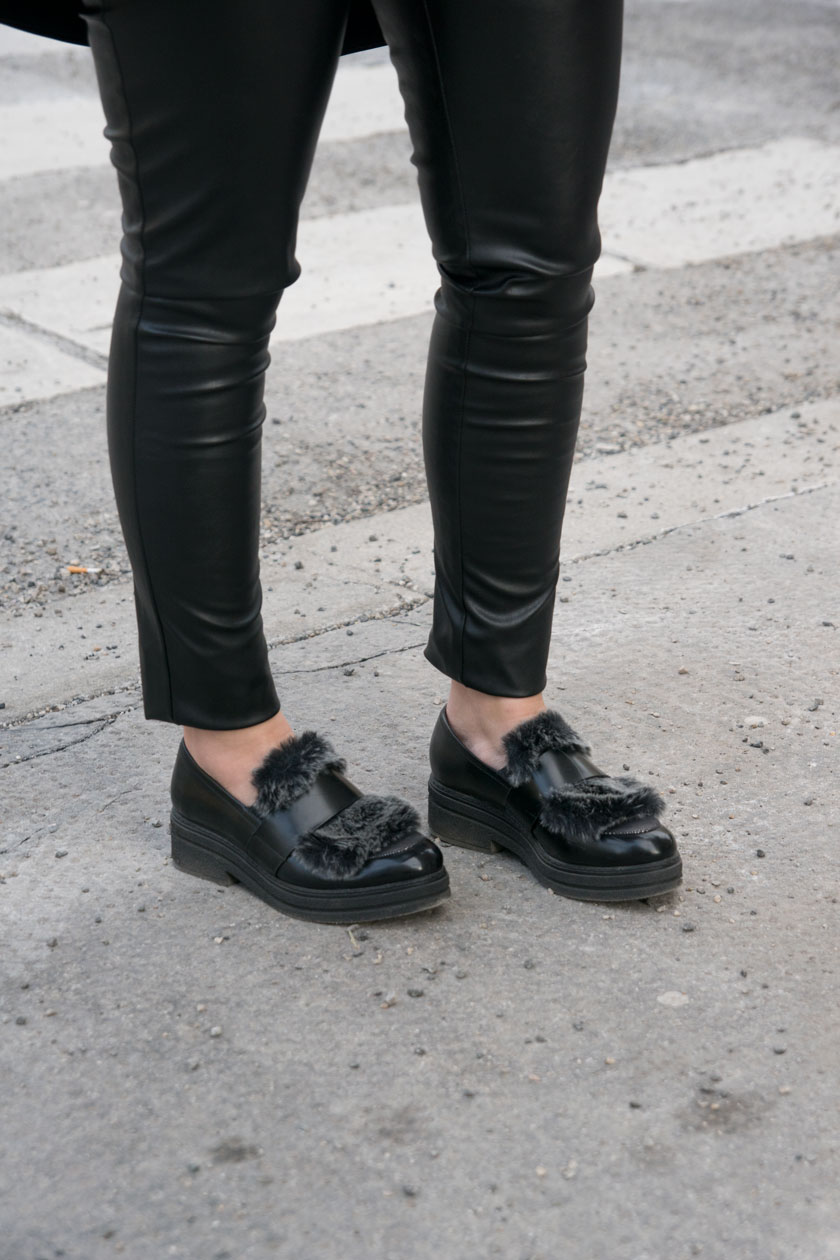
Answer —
362 618
319 669
30 719
60 726
101 721
700 520
8 319
77 702
116 798
96 725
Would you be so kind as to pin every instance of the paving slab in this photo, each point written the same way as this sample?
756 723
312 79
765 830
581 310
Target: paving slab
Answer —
514 1070
695 78
32 368
688 212
50 135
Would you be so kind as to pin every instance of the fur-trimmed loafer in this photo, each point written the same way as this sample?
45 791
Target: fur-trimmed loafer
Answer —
583 833
313 845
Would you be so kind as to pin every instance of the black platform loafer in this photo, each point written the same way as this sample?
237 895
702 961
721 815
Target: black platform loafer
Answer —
313 845
583 833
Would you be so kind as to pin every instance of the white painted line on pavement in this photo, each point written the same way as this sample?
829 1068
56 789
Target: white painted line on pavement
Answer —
76 300
365 100
51 136
361 268
365 268
738 202
31 369
15 43
62 134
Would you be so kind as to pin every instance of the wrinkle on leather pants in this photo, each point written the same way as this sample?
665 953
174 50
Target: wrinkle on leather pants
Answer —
213 114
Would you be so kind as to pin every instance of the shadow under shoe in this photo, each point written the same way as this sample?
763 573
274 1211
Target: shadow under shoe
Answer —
582 833
313 845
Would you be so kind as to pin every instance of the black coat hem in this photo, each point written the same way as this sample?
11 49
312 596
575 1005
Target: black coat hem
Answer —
60 19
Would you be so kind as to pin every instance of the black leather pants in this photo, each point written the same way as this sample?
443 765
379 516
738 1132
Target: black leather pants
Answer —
213 113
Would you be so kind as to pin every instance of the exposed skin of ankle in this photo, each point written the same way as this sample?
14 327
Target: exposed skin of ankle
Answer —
477 718
480 720
230 756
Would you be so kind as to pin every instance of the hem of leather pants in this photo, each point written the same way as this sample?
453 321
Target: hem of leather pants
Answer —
484 684
204 722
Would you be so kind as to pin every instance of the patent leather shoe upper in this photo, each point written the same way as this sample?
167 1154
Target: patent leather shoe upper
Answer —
561 800
273 840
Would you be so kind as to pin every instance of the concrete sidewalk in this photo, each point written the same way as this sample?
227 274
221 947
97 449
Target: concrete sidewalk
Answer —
188 1073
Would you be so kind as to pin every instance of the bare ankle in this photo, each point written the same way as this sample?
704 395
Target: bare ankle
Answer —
480 719
231 756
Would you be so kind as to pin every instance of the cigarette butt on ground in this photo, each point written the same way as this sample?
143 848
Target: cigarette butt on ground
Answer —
80 568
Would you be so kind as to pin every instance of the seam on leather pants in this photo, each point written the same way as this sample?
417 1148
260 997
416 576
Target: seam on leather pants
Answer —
461 413
136 338
465 360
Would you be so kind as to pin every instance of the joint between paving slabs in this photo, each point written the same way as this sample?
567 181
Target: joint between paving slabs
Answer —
8 319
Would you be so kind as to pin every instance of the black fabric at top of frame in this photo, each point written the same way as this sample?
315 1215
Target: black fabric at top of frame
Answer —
59 19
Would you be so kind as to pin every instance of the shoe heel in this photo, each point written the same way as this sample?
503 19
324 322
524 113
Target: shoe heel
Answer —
455 828
194 860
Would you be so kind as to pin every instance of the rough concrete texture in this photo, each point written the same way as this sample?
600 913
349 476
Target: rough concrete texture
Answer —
513 1074
187 1073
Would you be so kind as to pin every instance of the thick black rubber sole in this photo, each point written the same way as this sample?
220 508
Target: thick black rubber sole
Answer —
200 852
470 823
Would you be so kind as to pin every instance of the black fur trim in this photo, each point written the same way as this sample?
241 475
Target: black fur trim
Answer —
289 770
527 741
367 828
587 810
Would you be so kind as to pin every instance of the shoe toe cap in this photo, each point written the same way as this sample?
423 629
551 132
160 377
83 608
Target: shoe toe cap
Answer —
416 857
641 840
420 856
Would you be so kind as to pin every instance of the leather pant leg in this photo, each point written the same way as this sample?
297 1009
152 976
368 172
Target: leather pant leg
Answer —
213 116
213 112
510 106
